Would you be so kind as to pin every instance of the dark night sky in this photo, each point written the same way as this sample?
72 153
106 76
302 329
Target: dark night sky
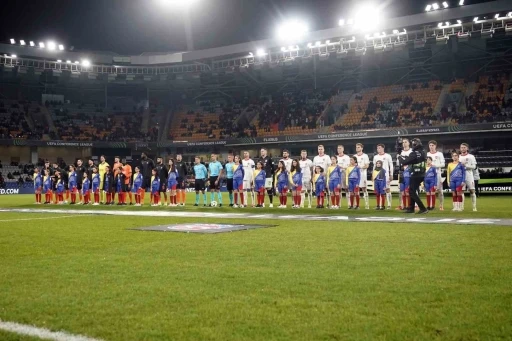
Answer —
136 26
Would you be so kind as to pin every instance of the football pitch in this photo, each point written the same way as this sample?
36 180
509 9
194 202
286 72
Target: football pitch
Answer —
300 279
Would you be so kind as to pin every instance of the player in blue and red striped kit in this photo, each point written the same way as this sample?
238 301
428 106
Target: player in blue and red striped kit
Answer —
155 187
430 183
353 174
379 185
73 184
137 186
238 181
47 186
38 185
259 183
96 185
86 185
456 176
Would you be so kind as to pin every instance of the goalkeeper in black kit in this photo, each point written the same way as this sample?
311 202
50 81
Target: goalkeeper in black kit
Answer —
416 161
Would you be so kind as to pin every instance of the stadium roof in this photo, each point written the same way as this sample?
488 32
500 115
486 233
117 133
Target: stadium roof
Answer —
406 22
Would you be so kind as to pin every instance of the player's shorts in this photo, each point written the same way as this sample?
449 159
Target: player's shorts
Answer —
146 182
247 184
353 185
363 180
379 186
320 190
297 188
119 188
125 187
66 186
96 189
269 183
282 187
38 190
214 186
163 187
199 185
135 189
306 184
238 184
456 186
79 186
333 186
172 186
180 183
404 186
259 185
229 185
470 182
430 185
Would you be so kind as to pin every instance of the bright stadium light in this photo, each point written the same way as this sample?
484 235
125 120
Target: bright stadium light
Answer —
440 25
341 22
260 52
350 21
509 14
292 30
461 3
41 45
13 56
77 62
447 23
283 49
178 3
61 47
327 42
32 43
318 43
59 61
435 6
395 31
68 61
13 41
445 4
428 8
51 45
22 43
86 63
459 22
475 19
368 18
310 45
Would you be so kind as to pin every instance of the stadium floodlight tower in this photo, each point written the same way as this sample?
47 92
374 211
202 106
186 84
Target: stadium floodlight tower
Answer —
184 6
368 17
292 31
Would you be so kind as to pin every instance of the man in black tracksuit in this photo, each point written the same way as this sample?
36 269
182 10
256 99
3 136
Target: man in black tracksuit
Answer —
416 162
90 166
181 168
268 166
162 172
147 166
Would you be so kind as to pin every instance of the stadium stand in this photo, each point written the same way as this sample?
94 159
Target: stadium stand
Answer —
14 123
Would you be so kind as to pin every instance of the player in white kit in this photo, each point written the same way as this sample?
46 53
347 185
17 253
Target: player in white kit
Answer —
469 161
363 162
287 160
306 168
343 163
249 166
321 159
438 163
406 151
387 165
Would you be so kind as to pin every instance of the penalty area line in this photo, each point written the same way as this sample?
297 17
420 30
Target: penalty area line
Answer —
42 218
42 333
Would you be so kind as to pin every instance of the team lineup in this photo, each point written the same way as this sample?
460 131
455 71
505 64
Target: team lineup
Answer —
321 181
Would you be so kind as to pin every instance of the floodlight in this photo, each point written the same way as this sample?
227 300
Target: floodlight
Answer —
260 52
41 45
447 23
68 61
77 62
475 19
59 61
13 56
310 45
435 6
368 18
13 41
51 45
459 22
61 47
22 43
86 63
318 43
383 34
327 42
461 3
292 30
428 8
496 16
341 22
395 31
32 43
445 4
251 54
283 49
440 25
509 14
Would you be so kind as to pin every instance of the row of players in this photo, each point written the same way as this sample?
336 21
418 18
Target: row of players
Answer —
324 176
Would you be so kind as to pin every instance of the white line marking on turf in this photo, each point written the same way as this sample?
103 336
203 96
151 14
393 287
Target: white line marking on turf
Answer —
43 218
42 333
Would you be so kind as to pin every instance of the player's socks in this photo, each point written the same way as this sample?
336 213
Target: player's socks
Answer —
473 200
366 198
389 198
197 198
441 198
230 198
433 199
242 198
204 198
236 198
212 196
131 197
271 198
219 197
358 198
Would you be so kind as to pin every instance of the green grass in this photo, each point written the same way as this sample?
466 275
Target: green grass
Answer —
494 181
297 281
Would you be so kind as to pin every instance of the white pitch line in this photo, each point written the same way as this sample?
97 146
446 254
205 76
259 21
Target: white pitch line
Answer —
43 218
42 333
